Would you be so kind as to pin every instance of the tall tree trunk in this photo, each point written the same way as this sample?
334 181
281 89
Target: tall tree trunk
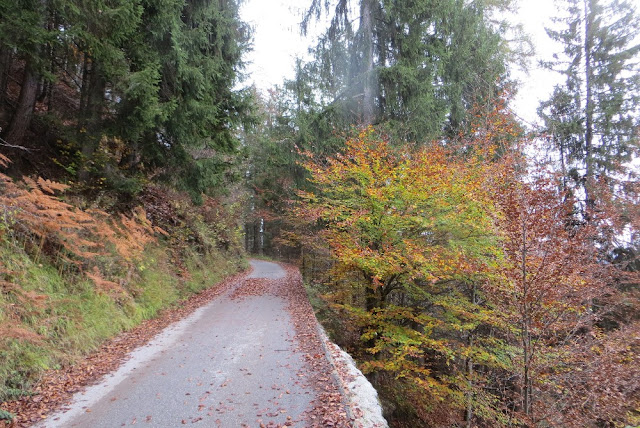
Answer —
526 390
368 81
26 103
5 70
262 232
247 236
53 26
92 117
84 90
563 164
526 329
256 239
588 138
468 417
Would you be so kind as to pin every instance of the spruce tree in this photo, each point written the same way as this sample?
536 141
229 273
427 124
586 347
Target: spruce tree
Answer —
593 116
153 78
200 66
23 35
416 68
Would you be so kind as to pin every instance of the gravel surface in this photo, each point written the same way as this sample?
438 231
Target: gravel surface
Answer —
250 357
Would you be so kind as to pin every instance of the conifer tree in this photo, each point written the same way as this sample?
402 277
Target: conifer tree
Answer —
153 78
415 67
23 30
593 116
193 108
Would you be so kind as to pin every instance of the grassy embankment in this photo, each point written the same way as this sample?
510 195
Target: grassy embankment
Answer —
71 278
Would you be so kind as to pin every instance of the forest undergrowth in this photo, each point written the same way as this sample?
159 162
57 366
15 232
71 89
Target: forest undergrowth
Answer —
74 277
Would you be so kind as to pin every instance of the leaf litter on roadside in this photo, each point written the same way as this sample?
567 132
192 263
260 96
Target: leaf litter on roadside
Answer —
56 387
328 410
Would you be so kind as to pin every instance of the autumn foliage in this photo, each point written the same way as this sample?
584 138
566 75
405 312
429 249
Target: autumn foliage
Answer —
409 230
468 278
34 209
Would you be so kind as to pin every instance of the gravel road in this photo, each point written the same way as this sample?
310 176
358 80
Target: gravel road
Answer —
234 362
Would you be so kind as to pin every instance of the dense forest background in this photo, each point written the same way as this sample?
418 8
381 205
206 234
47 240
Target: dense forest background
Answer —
482 273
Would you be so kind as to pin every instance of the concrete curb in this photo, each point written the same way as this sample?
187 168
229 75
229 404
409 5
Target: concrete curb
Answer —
359 397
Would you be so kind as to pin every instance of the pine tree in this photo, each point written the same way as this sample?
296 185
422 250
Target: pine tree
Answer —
402 65
154 78
593 116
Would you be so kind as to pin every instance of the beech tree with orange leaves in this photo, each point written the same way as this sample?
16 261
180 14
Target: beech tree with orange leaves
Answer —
410 232
546 280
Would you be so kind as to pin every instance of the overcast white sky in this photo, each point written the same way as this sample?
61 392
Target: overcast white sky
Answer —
277 41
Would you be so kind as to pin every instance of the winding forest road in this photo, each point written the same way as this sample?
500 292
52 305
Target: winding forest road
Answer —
250 357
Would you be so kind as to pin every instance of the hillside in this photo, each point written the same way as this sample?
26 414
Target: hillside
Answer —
73 278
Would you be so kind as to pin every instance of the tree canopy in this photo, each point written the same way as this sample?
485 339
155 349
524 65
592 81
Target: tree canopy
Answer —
416 68
131 86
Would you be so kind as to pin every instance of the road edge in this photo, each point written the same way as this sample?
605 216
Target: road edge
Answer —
360 398
57 387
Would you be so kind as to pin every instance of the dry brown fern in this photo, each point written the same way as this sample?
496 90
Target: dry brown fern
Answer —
4 161
19 333
114 290
128 235
83 233
26 302
32 209
39 213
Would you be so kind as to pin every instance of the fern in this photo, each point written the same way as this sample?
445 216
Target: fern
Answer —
4 161
78 237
